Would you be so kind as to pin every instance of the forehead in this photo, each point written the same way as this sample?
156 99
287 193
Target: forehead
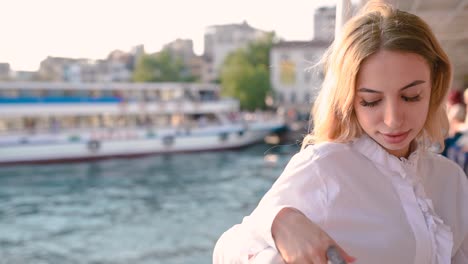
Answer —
392 69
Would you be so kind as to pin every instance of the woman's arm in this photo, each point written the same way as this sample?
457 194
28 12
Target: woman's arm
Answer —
232 247
299 240
286 218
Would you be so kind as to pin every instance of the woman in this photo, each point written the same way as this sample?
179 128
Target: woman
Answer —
366 180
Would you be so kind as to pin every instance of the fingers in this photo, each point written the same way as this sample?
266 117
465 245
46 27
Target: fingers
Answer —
325 252
348 258
319 259
313 259
334 255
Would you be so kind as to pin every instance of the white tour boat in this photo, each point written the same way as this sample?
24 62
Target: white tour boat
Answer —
50 122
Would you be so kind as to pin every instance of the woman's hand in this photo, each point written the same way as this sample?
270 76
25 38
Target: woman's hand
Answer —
299 240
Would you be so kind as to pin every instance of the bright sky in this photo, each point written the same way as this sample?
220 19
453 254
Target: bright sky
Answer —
31 30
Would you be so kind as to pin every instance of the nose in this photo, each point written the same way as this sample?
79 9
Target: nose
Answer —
394 115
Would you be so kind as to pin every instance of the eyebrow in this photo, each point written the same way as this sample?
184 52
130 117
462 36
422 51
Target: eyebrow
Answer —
367 90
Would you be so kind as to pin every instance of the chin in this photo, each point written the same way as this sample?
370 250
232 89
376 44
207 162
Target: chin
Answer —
394 147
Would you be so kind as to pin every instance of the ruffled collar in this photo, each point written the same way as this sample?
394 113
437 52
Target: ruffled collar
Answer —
377 154
441 235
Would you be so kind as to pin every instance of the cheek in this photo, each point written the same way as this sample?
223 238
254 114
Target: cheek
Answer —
367 117
419 115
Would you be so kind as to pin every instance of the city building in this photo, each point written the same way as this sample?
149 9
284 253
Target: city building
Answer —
295 75
24 76
136 51
324 23
53 68
117 67
183 49
5 71
220 40
98 71
294 78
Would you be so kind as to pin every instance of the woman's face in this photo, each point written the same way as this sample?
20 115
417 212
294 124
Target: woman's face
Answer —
393 91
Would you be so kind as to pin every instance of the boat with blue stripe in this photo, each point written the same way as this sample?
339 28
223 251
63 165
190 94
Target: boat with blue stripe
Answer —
61 122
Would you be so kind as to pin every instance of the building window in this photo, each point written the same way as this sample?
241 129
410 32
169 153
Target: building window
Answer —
287 72
280 98
293 97
307 98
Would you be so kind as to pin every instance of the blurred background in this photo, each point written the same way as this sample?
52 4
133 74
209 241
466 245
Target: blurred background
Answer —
139 131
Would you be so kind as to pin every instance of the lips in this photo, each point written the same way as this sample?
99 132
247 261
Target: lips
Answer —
395 138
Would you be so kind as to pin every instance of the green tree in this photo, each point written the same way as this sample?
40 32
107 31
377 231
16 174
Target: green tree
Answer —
161 67
245 74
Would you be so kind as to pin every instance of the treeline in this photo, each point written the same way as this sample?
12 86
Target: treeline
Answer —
244 75
161 67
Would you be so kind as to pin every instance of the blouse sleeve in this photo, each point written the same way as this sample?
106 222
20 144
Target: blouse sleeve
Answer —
461 256
300 186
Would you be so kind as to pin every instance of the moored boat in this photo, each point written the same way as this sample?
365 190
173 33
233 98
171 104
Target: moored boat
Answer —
49 122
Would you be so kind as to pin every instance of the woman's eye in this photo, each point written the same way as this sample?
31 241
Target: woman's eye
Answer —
412 98
369 104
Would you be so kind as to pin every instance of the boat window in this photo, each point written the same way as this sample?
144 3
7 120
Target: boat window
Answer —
162 120
132 121
134 95
9 94
82 93
30 93
168 140
167 95
177 120
68 93
29 124
178 94
107 93
54 124
223 136
54 93
189 95
206 95
95 93
107 121
3 126
15 124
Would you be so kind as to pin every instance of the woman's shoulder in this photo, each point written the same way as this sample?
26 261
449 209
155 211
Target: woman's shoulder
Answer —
322 153
437 160
437 164
325 149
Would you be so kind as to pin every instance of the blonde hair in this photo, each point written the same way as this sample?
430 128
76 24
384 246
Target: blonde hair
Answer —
378 26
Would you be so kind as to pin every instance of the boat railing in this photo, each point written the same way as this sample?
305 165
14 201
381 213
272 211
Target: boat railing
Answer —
51 99
110 130
69 99
261 116
19 110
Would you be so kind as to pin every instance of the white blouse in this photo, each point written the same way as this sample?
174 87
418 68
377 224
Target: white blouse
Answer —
379 208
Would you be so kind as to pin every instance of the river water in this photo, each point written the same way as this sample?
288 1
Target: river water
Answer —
158 209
